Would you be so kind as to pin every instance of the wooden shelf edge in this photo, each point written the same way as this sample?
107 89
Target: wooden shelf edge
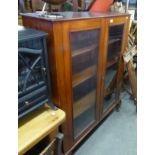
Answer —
84 75
83 50
83 104
114 40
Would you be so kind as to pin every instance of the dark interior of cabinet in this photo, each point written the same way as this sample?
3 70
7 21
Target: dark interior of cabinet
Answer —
108 101
84 39
84 60
111 73
115 41
113 54
84 52
110 76
84 88
39 147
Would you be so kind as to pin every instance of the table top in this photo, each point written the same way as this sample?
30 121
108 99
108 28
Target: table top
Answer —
36 126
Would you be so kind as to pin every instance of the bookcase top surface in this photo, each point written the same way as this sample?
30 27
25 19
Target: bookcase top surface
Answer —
66 16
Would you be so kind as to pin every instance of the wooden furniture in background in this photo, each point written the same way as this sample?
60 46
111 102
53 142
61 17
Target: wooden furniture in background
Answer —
81 4
85 55
128 59
52 5
37 5
36 126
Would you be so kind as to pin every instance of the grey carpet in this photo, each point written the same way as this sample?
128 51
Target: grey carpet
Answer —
117 135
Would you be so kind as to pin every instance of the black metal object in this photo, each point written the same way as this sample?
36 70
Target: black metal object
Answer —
33 71
59 140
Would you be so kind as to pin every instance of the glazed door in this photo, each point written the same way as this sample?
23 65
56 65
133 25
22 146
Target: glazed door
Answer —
116 34
82 52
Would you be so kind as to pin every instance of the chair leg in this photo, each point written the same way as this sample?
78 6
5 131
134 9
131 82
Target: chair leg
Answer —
59 139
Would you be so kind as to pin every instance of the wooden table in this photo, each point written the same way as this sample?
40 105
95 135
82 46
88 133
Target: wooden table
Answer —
36 126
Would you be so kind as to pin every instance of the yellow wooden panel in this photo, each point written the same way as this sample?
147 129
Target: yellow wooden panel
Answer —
36 126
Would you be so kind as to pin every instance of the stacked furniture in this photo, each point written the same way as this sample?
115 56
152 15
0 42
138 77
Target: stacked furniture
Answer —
85 55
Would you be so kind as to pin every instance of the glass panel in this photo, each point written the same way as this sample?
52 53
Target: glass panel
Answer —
108 101
109 91
84 120
84 51
84 39
115 41
110 74
114 49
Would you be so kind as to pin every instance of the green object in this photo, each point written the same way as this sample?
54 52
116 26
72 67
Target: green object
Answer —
67 7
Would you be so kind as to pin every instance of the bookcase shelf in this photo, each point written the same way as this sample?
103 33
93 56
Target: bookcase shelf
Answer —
114 40
83 104
83 75
84 50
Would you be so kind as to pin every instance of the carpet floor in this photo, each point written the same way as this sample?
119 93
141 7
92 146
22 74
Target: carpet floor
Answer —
117 135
